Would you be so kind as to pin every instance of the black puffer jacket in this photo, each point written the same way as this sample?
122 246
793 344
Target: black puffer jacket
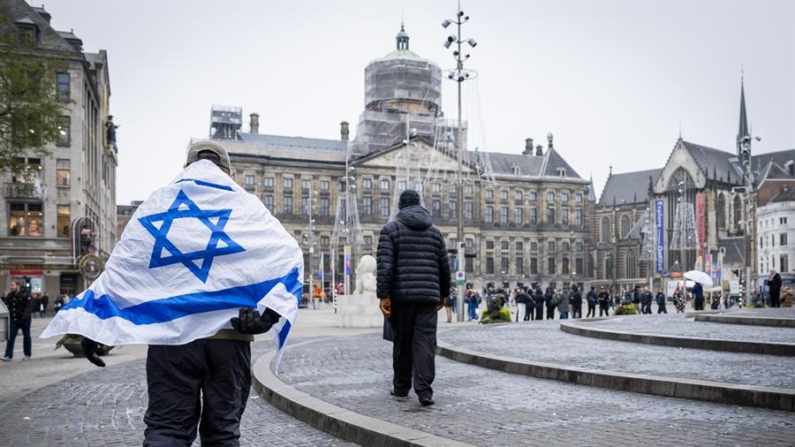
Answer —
412 259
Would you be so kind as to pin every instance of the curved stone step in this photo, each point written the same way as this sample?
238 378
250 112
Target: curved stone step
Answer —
710 391
749 347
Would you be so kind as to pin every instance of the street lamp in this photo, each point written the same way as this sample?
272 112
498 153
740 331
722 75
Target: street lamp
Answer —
311 238
459 75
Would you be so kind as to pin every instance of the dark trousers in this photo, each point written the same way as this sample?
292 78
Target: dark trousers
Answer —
591 310
661 309
775 298
539 312
204 383
531 311
13 328
550 312
576 311
646 308
603 308
414 348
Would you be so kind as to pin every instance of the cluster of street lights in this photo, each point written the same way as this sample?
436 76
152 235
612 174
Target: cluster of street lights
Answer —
459 75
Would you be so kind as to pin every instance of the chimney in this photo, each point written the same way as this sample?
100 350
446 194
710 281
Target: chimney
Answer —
539 151
528 146
344 131
254 123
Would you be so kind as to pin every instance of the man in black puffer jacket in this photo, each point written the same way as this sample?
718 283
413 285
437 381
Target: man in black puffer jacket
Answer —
413 284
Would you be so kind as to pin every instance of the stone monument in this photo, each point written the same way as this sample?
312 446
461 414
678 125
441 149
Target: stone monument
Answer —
361 308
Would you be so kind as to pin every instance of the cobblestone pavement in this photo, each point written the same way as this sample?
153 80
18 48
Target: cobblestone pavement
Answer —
491 408
105 407
688 327
543 341
780 312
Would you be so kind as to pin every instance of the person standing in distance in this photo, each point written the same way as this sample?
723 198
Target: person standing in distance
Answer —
20 310
775 288
412 284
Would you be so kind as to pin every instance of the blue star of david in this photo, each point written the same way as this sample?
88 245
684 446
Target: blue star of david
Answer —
183 208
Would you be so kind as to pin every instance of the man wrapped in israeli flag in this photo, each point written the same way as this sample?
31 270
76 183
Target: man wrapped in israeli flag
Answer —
200 269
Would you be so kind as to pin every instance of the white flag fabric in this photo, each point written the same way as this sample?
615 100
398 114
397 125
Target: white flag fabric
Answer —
191 256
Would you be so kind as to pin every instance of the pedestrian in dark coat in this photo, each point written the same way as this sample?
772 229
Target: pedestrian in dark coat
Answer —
412 283
645 301
661 301
591 299
576 302
539 299
604 301
549 300
698 294
19 308
775 288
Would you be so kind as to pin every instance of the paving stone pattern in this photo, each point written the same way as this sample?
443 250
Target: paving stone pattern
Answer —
105 407
544 342
491 408
687 327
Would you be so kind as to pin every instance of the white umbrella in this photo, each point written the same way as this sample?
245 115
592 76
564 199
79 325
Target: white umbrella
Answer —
699 277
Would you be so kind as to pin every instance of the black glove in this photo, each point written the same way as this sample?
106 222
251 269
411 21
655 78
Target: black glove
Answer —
249 321
90 351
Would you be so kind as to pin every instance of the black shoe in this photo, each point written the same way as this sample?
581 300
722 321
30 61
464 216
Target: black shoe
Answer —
427 401
392 392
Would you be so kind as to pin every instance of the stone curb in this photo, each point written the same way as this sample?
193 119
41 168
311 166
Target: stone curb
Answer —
709 391
751 321
345 424
748 347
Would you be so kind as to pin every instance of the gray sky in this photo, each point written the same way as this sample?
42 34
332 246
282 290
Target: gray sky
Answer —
612 80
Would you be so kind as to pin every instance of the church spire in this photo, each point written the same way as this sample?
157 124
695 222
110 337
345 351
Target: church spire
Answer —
402 38
742 131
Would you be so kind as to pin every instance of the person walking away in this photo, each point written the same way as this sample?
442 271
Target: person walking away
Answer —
660 301
775 288
604 301
550 300
564 304
412 283
448 305
576 302
539 299
19 312
531 305
590 297
698 294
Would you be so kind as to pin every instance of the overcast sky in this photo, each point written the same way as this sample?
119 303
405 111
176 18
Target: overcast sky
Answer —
613 81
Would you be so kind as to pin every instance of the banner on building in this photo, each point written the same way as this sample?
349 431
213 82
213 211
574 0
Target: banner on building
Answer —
347 253
719 268
699 263
701 219
708 264
660 214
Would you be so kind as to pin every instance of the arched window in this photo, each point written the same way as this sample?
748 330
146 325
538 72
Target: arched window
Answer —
605 229
738 212
630 265
721 212
625 226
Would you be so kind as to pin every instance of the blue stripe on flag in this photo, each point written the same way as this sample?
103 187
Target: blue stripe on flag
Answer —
283 333
172 308
203 183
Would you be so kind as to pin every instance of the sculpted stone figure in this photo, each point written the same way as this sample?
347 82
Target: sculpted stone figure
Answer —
365 276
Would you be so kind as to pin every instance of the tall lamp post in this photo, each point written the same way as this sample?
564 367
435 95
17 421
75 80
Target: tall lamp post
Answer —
459 75
748 176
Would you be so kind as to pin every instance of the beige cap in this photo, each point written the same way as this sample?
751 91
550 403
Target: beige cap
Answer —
221 159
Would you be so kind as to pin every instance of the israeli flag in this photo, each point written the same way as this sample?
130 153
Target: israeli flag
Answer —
191 256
